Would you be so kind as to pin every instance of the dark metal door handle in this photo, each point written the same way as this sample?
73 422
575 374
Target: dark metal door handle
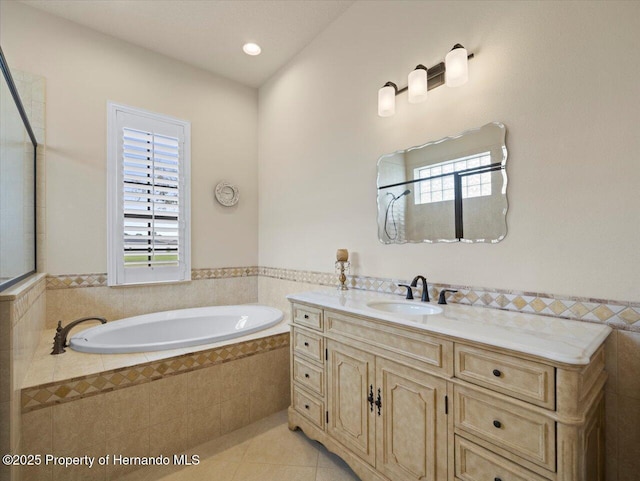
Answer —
370 398
379 402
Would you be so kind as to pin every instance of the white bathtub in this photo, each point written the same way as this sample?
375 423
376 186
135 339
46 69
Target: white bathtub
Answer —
174 329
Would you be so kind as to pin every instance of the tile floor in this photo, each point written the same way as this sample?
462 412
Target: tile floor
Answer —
265 450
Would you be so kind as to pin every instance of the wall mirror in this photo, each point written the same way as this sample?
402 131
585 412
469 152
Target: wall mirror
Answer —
449 190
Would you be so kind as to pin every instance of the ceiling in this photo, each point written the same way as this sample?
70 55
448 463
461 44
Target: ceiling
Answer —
208 33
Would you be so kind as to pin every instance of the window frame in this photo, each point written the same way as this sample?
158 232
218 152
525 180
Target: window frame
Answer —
117 274
417 171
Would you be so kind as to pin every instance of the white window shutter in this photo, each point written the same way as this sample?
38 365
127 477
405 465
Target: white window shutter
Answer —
148 201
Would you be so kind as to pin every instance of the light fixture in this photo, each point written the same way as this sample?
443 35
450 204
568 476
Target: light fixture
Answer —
251 48
417 85
456 66
454 71
387 100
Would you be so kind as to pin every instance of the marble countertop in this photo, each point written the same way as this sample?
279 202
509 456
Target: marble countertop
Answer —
552 338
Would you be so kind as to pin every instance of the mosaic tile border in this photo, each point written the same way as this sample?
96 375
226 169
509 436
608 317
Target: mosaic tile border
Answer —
617 314
49 394
72 281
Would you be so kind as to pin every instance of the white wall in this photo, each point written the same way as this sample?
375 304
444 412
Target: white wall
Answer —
562 76
84 69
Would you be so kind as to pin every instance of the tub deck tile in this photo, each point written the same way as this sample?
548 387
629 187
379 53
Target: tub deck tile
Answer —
65 388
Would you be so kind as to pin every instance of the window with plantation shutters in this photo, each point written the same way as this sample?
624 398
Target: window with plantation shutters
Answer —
148 202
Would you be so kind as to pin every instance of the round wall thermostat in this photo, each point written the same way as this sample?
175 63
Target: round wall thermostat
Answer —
227 194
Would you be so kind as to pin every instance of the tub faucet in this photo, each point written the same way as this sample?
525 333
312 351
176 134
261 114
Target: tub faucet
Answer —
425 287
60 339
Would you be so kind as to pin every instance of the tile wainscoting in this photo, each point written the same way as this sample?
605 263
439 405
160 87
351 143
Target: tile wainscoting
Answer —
617 314
160 408
22 311
67 298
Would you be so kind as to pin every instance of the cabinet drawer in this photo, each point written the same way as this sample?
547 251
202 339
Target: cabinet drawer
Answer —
308 406
474 463
308 344
308 375
522 432
429 353
527 380
307 316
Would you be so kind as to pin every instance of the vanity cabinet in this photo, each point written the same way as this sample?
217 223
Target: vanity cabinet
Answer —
404 436
398 402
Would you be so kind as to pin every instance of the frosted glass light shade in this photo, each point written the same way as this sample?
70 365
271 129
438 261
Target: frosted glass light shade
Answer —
456 67
417 82
386 101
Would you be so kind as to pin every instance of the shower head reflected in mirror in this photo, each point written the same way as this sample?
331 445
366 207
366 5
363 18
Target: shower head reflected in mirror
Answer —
393 219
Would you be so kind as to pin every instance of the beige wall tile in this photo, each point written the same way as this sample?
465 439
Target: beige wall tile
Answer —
628 439
145 299
37 431
70 304
204 387
36 473
84 472
5 325
611 361
273 292
78 424
234 414
5 375
236 377
269 400
202 293
5 439
611 436
168 398
203 425
269 369
629 364
169 437
270 391
236 290
126 410
134 443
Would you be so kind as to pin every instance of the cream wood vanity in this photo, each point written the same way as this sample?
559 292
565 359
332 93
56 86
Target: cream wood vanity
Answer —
471 394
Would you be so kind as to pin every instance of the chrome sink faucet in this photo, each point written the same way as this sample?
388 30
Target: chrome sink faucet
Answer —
425 287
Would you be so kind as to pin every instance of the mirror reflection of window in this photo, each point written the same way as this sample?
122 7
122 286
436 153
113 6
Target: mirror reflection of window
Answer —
440 187
456 189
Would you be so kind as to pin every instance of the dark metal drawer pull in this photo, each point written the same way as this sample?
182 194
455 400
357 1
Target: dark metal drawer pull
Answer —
306 375
497 373
306 344
497 424
306 406
497 479
306 316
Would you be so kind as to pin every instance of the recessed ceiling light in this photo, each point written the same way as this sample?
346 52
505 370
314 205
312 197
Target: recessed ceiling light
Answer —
251 49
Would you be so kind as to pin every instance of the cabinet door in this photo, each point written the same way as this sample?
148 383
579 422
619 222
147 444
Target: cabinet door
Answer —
411 432
351 374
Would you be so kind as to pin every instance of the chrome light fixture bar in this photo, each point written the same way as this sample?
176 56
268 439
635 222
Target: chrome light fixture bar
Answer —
453 72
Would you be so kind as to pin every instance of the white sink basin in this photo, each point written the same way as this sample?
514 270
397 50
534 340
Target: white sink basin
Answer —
399 307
